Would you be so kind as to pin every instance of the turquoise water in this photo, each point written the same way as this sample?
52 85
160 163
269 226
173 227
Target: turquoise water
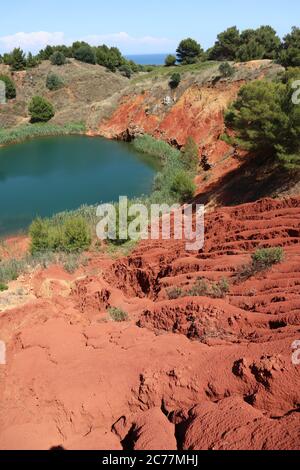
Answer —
49 175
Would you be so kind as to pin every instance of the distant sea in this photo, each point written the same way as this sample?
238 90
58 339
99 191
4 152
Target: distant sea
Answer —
148 59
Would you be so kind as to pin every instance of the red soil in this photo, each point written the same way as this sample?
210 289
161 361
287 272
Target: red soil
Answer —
190 373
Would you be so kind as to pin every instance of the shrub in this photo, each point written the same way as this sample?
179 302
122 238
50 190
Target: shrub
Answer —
226 70
118 315
266 257
125 70
58 58
3 287
40 109
183 186
175 80
39 234
190 155
76 236
54 82
72 235
85 54
11 269
216 290
174 293
170 60
10 88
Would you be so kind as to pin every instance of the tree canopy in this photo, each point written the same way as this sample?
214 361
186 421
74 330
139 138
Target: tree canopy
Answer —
40 110
189 51
266 121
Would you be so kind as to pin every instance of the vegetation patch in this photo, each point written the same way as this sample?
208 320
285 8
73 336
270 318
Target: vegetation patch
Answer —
22 133
71 236
118 315
262 260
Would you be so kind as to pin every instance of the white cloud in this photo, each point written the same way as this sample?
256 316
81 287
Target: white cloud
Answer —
128 44
30 41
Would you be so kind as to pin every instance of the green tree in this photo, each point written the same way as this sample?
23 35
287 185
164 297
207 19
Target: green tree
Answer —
7 59
46 53
31 61
290 53
85 54
40 110
175 80
251 50
190 155
183 186
170 60
267 37
18 60
189 51
266 121
58 58
10 88
226 46
54 82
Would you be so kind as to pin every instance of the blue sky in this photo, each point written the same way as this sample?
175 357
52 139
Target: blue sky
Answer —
134 26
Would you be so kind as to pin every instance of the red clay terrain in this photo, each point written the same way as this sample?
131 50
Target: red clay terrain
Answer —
195 372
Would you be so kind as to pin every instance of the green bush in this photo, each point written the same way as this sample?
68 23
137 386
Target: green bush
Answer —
125 70
266 257
226 70
10 88
118 315
3 287
76 235
54 82
190 155
58 58
70 236
183 186
40 110
170 61
175 80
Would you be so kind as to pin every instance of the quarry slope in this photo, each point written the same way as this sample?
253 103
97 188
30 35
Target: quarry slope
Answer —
188 373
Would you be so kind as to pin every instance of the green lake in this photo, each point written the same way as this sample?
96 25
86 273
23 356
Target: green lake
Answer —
45 176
